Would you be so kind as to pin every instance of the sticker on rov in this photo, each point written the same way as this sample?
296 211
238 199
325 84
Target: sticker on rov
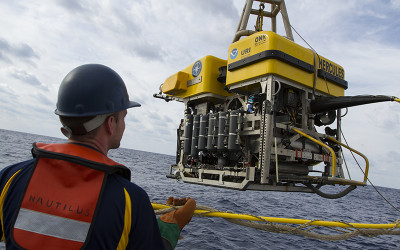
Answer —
234 53
196 68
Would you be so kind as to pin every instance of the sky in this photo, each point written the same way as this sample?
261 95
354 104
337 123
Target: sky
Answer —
146 41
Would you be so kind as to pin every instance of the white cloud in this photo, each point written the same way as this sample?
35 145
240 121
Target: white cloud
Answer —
19 51
395 4
24 77
6 90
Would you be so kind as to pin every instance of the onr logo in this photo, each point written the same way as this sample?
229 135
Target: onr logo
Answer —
260 39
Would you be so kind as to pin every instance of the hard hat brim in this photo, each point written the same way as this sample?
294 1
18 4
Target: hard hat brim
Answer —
133 104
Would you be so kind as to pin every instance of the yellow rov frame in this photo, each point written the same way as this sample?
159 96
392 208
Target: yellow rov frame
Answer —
250 121
198 78
267 53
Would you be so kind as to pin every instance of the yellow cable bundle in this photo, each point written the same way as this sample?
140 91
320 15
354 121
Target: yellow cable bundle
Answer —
229 215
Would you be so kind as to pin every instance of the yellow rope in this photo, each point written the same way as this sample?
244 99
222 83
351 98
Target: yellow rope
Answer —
339 230
230 215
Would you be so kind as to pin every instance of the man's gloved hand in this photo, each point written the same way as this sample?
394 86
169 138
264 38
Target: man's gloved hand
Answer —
172 223
183 215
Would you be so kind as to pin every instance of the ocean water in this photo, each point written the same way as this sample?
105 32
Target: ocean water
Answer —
363 205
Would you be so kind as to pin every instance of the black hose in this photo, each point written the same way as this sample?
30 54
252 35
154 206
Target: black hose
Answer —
178 147
331 196
332 103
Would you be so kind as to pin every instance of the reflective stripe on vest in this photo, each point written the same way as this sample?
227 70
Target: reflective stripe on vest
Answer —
60 200
32 221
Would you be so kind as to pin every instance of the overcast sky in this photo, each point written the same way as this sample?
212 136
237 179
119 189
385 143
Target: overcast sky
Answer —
146 41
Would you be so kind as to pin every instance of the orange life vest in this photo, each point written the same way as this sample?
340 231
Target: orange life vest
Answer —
59 205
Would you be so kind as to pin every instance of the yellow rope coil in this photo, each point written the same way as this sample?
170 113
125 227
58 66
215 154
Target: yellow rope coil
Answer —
342 230
229 215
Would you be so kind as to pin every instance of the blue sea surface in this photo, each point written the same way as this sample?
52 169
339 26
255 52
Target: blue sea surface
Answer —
363 205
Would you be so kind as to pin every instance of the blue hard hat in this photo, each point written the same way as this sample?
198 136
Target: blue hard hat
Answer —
91 90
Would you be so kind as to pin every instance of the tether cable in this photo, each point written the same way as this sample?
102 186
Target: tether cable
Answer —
315 53
398 210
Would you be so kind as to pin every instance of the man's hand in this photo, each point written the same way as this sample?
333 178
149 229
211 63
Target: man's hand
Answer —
183 215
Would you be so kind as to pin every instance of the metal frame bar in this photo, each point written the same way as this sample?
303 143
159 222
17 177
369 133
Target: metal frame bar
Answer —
355 151
276 7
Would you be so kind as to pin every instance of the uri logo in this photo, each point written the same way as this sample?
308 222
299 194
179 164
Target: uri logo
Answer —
196 68
234 53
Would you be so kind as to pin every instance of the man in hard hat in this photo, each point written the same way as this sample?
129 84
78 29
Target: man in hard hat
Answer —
71 195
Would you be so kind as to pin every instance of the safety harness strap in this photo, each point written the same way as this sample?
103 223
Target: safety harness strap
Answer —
76 153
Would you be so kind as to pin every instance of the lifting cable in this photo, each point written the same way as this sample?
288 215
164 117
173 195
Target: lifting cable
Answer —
315 64
383 197
396 99
259 22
